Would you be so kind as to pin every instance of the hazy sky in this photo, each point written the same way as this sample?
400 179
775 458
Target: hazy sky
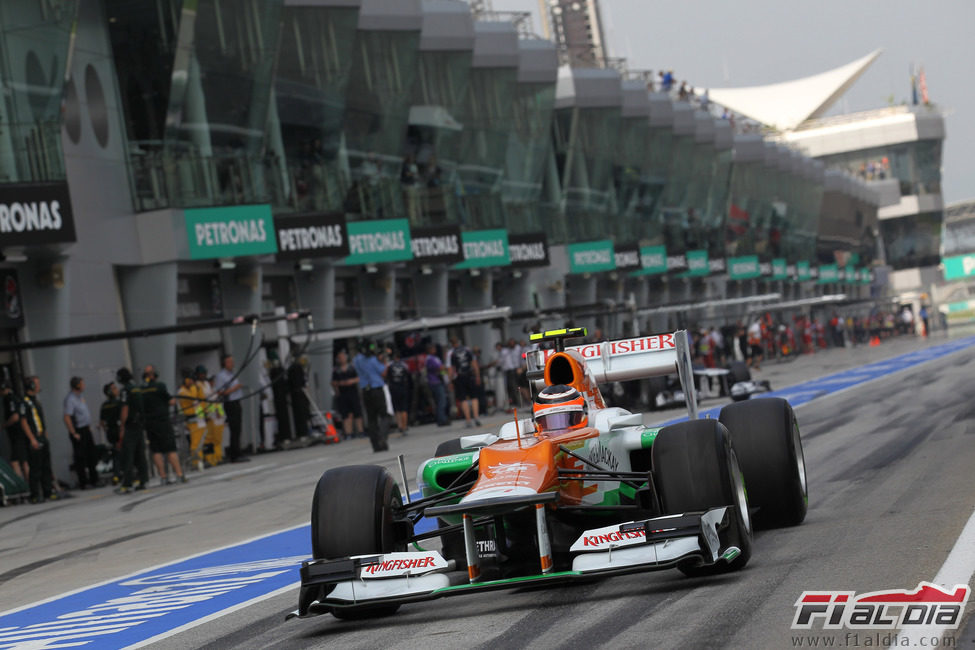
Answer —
717 43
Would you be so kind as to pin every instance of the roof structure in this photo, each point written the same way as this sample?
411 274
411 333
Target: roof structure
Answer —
786 105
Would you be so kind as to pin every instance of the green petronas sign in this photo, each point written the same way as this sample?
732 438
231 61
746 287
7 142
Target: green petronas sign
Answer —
484 248
230 231
591 257
744 267
376 241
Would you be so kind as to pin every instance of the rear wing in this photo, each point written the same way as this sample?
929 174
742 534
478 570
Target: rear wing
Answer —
628 359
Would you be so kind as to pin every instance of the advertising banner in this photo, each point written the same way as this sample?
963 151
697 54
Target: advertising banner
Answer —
697 264
959 266
311 235
529 249
35 214
376 241
627 257
653 260
436 245
828 273
591 257
779 269
743 268
230 231
484 248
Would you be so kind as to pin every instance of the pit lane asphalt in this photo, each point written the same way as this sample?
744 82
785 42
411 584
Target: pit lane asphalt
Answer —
890 481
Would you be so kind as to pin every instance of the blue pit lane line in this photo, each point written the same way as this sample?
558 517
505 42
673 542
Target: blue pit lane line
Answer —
158 602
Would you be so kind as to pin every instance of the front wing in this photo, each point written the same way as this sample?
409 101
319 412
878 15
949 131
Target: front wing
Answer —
632 547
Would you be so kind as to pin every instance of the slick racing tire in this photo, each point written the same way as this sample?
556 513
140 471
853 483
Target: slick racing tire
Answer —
695 468
766 436
352 514
738 371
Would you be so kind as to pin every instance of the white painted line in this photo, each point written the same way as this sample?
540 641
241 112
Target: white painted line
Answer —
957 570
241 472
216 615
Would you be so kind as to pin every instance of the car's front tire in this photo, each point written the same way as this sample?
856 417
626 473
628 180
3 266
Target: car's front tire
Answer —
352 514
695 468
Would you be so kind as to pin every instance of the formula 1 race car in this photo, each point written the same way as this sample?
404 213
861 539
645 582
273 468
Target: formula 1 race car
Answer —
577 490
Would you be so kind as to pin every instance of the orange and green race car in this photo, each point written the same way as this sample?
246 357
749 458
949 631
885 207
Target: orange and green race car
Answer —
579 489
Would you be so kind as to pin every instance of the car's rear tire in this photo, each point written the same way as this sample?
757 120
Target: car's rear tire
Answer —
352 514
695 468
738 371
765 434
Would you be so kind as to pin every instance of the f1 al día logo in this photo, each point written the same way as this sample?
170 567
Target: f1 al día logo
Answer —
929 604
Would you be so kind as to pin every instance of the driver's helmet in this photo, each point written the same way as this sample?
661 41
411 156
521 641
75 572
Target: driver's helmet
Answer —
560 407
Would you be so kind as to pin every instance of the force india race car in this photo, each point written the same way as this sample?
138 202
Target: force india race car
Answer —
578 490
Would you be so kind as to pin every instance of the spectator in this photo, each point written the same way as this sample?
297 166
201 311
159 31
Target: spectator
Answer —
371 373
345 387
19 447
466 377
41 476
108 416
77 419
924 320
435 379
297 382
213 409
409 173
191 405
231 391
132 437
400 388
156 401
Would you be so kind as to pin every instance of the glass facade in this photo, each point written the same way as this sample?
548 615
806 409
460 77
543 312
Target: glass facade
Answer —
672 210
486 115
432 150
297 106
195 80
586 142
912 241
380 90
916 165
307 164
35 39
631 179
527 155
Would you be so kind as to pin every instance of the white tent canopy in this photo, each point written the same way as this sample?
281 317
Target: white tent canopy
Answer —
786 105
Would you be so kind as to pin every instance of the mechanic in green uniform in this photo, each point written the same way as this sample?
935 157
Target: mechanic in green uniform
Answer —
162 442
108 417
132 437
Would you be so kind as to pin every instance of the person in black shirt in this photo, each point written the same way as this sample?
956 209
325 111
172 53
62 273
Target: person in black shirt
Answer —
132 437
156 401
108 417
400 382
297 380
466 375
41 477
19 449
345 384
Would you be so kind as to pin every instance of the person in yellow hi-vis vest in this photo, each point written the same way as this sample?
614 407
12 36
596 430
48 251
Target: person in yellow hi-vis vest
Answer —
213 411
190 401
